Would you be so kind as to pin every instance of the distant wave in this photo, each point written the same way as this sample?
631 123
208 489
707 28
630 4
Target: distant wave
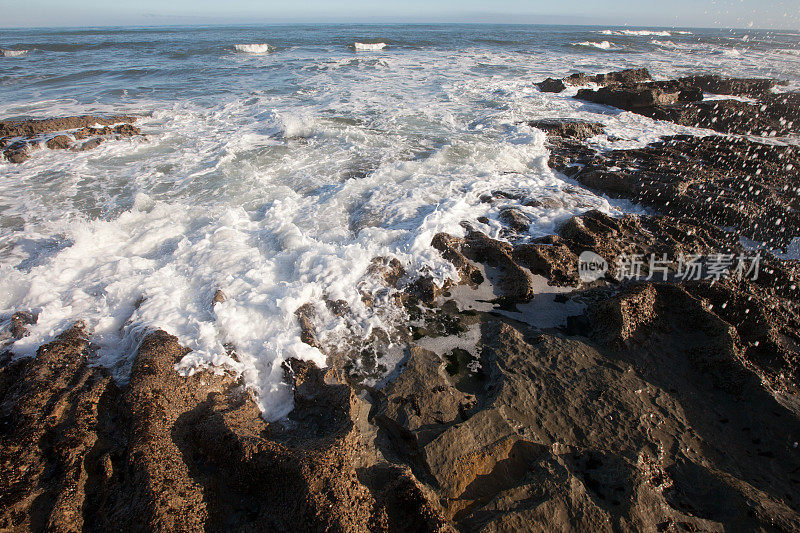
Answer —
12 53
645 33
368 47
664 44
604 45
262 48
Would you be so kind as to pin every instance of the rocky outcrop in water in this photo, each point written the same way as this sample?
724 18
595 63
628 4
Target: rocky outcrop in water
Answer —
19 138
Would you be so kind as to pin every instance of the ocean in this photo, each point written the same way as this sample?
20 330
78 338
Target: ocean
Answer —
279 161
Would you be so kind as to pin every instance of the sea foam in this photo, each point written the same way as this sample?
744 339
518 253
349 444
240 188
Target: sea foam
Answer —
603 45
12 53
368 47
257 48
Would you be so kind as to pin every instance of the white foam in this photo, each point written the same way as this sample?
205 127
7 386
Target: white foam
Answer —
603 45
12 53
262 48
368 47
641 33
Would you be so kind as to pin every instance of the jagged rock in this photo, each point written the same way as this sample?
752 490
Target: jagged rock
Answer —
628 76
84 126
567 128
515 219
515 282
219 297
451 249
629 98
305 317
390 270
17 152
59 142
20 322
728 182
716 84
551 85
31 128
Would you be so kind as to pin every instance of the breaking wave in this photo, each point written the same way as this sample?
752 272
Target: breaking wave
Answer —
262 48
368 47
604 45
12 53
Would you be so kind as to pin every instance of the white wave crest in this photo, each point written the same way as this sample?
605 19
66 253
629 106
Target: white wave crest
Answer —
368 47
604 45
12 53
641 33
256 48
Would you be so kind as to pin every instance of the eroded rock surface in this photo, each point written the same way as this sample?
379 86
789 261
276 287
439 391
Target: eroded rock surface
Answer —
19 137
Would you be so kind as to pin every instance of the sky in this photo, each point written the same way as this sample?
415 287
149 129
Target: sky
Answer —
764 14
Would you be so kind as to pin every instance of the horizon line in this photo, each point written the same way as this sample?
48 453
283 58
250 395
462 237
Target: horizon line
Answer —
377 23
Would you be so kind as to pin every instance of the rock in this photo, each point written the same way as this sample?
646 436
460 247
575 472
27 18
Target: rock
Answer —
90 144
451 249
730 182
17 152
219 297
567 128
59 142
515 283
306 314
715 84
515 219
628 76
629 98
389 269
31 128
551 85
20 322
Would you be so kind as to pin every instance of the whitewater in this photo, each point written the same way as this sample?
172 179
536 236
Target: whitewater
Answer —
278 162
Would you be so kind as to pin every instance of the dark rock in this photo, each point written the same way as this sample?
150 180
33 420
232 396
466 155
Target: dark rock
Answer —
567 128
628 76
31 128
629 98
59 142
515 219
91 144
715 84
551 85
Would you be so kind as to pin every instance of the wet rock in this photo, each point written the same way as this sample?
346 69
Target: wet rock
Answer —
59 142
31 128
680 101
515 219
716 84
96 129
20 322
628 76
629 98
306 314
728 182
515 282
219 297
17 152
571 129
451 249
551 85
91 144
389 269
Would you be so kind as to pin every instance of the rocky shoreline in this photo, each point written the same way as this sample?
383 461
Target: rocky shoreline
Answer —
527 399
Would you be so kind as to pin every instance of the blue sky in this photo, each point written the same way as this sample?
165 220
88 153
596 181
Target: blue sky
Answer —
783 14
